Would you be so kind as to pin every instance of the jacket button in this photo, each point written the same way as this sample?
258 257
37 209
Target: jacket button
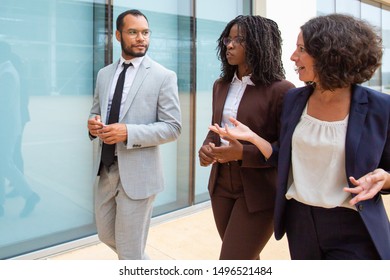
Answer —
360 207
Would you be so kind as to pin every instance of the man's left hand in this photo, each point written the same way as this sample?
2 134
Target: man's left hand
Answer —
113 133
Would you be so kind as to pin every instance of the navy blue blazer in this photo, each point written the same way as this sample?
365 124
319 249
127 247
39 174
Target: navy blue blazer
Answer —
367 148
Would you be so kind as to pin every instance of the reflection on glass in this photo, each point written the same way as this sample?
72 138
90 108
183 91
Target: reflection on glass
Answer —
13 115
46 87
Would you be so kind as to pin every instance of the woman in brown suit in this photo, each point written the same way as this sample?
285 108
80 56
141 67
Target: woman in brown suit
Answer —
251 88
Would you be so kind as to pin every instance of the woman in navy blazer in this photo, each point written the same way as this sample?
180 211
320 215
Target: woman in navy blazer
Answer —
333 153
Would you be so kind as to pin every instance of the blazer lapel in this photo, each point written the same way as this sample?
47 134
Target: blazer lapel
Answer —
138 80
296 112
107 90
220 100
357 116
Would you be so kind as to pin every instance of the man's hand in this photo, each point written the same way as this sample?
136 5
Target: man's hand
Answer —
113 133
94 125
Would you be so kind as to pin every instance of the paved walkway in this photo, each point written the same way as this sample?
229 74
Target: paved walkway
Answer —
190 237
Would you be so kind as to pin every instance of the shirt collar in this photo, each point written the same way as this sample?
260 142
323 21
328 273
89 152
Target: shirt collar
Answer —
135 61
245 79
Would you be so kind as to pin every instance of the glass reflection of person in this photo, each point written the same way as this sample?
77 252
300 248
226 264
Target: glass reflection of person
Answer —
24 113
11 124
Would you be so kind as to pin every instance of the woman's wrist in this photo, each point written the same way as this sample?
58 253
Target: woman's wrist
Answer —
253 137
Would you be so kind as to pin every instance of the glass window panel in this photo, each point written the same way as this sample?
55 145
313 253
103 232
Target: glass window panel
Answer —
209 27
371 12
325 7
46 164
351 7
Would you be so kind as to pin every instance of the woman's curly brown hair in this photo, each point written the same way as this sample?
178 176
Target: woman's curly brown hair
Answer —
263 49
346 50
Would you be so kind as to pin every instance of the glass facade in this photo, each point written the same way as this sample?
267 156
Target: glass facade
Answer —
46 73
50 52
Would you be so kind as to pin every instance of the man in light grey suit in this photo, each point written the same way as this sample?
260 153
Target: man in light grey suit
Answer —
149 115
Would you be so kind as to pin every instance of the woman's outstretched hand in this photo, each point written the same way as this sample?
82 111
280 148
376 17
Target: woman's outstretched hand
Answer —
368 185
239 131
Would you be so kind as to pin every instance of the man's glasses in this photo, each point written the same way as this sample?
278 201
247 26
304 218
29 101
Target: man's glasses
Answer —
132 33
236 41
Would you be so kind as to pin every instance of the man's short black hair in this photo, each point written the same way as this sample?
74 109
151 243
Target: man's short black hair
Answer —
134 12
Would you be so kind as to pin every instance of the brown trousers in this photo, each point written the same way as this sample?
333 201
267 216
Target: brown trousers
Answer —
243 234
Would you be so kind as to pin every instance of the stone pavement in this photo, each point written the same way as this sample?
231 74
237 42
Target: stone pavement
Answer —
189 237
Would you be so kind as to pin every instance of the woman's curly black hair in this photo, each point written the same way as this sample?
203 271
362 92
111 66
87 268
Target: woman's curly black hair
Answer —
263 48
346 50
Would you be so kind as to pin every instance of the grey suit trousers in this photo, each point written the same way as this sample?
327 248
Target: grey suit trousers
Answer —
122 223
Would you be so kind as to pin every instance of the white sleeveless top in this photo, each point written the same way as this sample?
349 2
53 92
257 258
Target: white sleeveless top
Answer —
318 163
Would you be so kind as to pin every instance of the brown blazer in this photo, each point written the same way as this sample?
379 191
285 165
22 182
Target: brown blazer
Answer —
259 109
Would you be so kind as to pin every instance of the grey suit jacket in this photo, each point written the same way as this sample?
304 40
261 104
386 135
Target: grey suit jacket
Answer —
152 116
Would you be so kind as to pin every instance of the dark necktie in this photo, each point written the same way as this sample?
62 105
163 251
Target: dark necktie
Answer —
108 151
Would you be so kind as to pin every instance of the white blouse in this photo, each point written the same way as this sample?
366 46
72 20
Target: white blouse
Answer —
318 163
233 99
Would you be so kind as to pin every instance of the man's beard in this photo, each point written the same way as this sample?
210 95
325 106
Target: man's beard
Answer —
129 52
